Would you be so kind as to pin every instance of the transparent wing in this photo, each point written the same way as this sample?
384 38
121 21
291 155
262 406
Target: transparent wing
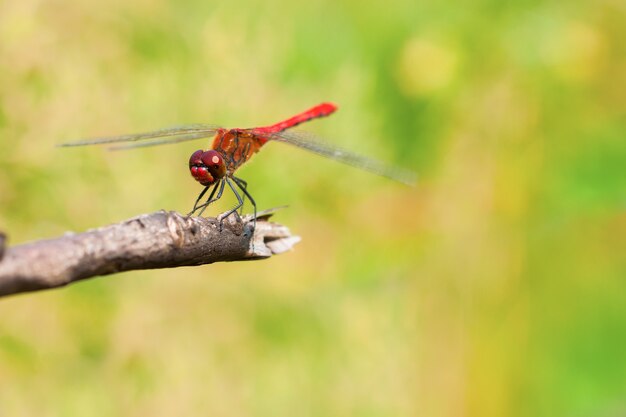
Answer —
169 135
164 141
317 145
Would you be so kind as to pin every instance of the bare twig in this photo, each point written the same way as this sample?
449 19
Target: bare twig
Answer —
155 240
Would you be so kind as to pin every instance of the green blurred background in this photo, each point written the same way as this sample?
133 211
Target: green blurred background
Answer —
494 288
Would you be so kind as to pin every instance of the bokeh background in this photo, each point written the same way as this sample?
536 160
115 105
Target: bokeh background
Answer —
493 288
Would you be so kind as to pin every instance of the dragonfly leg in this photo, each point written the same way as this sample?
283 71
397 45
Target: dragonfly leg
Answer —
244 185
210 200
195 205
222 216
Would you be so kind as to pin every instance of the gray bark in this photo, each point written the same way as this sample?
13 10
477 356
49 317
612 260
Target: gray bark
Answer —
156 240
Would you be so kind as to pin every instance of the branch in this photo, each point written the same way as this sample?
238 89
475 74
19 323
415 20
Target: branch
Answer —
156 240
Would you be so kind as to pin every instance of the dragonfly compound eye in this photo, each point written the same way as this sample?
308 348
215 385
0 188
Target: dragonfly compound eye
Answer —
195 159
214 162
199 171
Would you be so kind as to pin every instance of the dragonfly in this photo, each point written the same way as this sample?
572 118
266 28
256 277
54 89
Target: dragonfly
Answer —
215 168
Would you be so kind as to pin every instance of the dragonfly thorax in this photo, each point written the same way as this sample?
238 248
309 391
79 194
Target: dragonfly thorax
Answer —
206 167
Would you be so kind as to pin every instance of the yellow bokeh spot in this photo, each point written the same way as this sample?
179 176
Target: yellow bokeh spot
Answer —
425 66
577 53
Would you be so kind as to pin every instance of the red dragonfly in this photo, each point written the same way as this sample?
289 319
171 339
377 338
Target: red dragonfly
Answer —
215 168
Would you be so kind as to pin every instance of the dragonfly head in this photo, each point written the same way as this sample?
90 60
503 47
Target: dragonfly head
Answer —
206 167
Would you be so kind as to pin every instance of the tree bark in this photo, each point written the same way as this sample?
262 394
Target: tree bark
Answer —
149 241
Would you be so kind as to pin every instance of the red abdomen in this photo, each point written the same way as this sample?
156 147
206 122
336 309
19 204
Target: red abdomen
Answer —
321 110
238 145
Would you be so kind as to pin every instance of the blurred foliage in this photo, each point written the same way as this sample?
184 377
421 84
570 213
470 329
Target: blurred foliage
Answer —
494 288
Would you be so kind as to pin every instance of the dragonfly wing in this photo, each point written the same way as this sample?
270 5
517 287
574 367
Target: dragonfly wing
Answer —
317 145
162 141
168 135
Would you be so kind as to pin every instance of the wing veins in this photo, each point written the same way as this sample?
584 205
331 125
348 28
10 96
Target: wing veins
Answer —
171 132
316 145
165 141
